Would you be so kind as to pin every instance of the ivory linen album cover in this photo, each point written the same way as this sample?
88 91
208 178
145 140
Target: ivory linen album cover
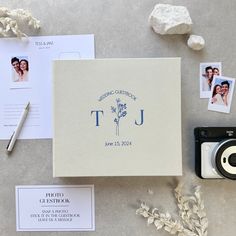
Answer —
117 117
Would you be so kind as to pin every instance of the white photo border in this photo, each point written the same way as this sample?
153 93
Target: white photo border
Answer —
207 94
221 108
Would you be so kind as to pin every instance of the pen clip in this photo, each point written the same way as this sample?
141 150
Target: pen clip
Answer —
10 140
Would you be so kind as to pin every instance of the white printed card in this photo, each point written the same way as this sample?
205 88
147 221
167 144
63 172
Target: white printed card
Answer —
55 208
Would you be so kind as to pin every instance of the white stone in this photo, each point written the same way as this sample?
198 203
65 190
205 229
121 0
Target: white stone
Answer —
196 42
169 19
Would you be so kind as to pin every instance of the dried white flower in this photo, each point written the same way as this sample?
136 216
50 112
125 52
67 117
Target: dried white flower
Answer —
9 20
191 210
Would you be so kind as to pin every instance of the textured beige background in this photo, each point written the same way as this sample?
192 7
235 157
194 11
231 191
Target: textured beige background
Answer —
121 30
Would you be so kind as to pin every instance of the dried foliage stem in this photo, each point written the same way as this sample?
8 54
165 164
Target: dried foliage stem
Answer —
9 20
193 220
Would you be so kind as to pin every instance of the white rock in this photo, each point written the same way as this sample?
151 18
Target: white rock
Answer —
169 19
196 42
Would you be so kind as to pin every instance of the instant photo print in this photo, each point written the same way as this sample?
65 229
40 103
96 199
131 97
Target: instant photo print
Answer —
221 94
20 72
207 72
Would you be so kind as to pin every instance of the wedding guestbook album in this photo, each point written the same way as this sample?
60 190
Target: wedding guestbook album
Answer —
117 117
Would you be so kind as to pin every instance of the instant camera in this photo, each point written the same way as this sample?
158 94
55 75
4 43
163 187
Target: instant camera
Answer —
215 152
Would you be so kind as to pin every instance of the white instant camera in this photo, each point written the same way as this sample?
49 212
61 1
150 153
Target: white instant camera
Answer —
215 152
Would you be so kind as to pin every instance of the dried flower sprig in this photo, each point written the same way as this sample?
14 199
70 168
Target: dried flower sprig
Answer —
9 20
191 210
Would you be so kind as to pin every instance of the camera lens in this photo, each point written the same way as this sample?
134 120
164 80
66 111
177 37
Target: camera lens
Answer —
225 158
232 159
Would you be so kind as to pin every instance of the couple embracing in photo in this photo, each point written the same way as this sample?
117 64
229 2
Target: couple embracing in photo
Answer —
220 94
20 69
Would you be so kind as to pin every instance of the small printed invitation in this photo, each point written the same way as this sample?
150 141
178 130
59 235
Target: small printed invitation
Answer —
55 208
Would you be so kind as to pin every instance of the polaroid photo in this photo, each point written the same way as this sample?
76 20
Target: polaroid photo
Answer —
221 94
207 72
19 70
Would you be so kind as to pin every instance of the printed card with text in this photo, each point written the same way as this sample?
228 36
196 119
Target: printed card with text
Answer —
55 208
26 76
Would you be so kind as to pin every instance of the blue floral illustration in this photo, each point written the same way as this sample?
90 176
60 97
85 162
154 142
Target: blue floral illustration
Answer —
120 111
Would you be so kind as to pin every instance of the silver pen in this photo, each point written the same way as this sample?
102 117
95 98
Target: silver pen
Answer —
16 133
